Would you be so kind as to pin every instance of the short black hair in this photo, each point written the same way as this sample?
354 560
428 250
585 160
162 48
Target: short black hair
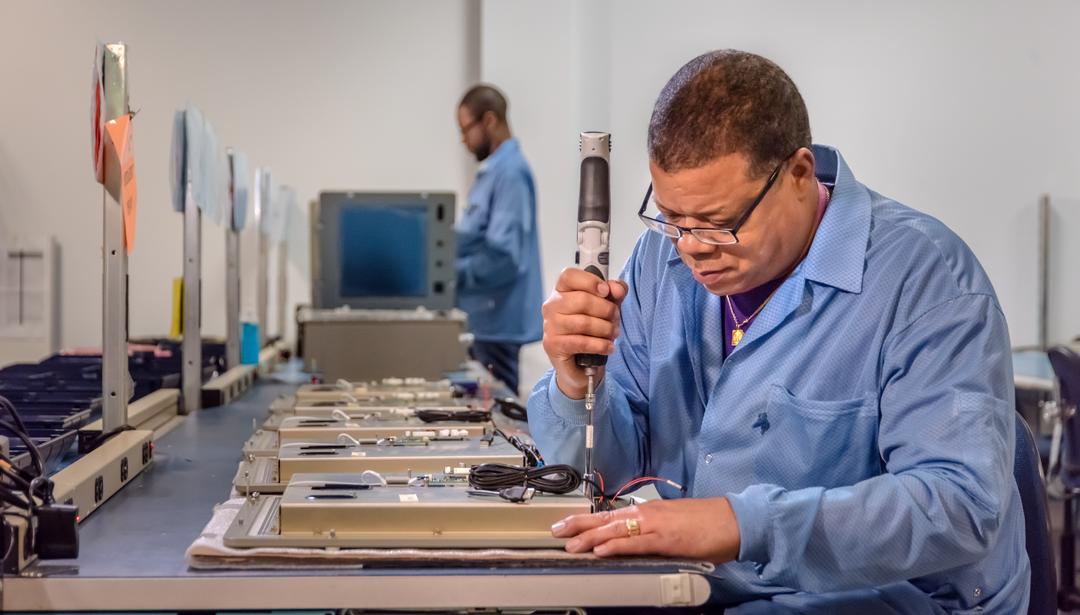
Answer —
726 102
482 98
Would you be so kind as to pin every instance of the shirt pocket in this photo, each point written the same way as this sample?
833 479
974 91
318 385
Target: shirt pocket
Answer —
815 443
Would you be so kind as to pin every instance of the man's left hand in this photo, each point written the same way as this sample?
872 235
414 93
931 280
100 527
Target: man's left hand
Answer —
701 529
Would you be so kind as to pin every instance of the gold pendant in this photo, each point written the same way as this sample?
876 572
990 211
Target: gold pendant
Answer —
736 336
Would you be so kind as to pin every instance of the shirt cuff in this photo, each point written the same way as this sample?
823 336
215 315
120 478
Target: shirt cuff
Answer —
572 411
751 509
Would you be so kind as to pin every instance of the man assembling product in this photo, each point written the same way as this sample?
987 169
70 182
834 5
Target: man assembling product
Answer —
498 246
825 372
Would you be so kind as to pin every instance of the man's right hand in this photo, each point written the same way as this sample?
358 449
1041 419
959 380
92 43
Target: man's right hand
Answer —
580 317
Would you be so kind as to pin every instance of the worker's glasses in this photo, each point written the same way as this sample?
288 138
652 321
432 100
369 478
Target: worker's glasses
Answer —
467 127
711 236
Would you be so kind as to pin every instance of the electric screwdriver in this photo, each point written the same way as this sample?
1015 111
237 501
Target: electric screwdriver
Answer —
594 212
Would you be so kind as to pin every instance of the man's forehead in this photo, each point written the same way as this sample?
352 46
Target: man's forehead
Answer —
720 185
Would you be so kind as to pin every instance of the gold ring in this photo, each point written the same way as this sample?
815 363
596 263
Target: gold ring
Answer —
633 528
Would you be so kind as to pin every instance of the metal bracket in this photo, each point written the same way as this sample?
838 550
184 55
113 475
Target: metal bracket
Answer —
232 283
262 206
282 286
115 381
191 346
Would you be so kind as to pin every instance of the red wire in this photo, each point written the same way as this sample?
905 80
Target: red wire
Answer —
637 481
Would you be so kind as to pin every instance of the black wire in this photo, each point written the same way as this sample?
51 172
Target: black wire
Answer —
599 499
8 495
512 409
441 416
18 480
27 476
31 446
17 514
47 495
10 407
532 454
557 479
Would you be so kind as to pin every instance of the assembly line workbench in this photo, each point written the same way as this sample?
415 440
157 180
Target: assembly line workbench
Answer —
132 551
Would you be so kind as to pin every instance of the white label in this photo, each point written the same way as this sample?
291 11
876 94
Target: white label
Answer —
358 454
588 436
408 497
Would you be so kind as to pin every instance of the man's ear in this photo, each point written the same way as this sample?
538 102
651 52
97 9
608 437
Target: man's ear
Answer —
802 165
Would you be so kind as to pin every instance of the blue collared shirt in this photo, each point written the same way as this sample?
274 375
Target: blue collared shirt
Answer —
862 430
498 251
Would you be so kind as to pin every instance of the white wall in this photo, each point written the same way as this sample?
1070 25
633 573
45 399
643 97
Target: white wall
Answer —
334 94
966 110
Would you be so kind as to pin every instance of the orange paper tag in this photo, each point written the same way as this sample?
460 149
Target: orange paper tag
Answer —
122 186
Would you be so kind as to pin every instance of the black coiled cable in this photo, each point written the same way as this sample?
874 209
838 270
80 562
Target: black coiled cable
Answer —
557 479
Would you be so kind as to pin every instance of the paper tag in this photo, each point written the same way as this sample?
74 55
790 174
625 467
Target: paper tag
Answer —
97 114
358 454
408 497
123 187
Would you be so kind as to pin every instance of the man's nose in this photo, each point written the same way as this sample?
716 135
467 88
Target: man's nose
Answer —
688 244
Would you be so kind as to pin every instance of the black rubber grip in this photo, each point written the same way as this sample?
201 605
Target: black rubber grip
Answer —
594 197
591 360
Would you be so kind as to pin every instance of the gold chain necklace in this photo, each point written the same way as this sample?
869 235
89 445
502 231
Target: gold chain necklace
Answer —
737 333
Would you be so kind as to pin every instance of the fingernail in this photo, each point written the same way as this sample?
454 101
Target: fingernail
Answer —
602 288
558 527
573 546
601 549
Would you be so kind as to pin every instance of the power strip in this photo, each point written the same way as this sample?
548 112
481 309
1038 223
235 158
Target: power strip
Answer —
97 476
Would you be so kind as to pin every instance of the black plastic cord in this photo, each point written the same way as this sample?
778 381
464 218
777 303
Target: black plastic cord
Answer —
23 474
10 407
512 409
532 454
557 479
19 481
31 446
464 416
9 495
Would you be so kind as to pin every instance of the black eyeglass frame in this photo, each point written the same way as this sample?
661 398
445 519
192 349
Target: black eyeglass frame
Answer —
655 225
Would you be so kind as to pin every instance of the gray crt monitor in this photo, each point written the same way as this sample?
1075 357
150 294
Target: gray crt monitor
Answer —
383 250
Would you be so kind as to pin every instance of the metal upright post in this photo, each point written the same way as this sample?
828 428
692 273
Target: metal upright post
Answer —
115 380
262 293
282 286
232 283
191 346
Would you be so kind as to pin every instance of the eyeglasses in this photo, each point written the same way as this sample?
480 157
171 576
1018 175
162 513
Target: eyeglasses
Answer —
709 235
467 127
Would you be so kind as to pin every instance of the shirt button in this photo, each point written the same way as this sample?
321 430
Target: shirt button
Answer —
978 592
708 458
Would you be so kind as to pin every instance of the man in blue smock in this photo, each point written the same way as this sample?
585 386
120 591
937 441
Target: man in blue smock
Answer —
819 376
498 249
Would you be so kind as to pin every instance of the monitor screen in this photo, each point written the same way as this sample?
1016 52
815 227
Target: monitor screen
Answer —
383 250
